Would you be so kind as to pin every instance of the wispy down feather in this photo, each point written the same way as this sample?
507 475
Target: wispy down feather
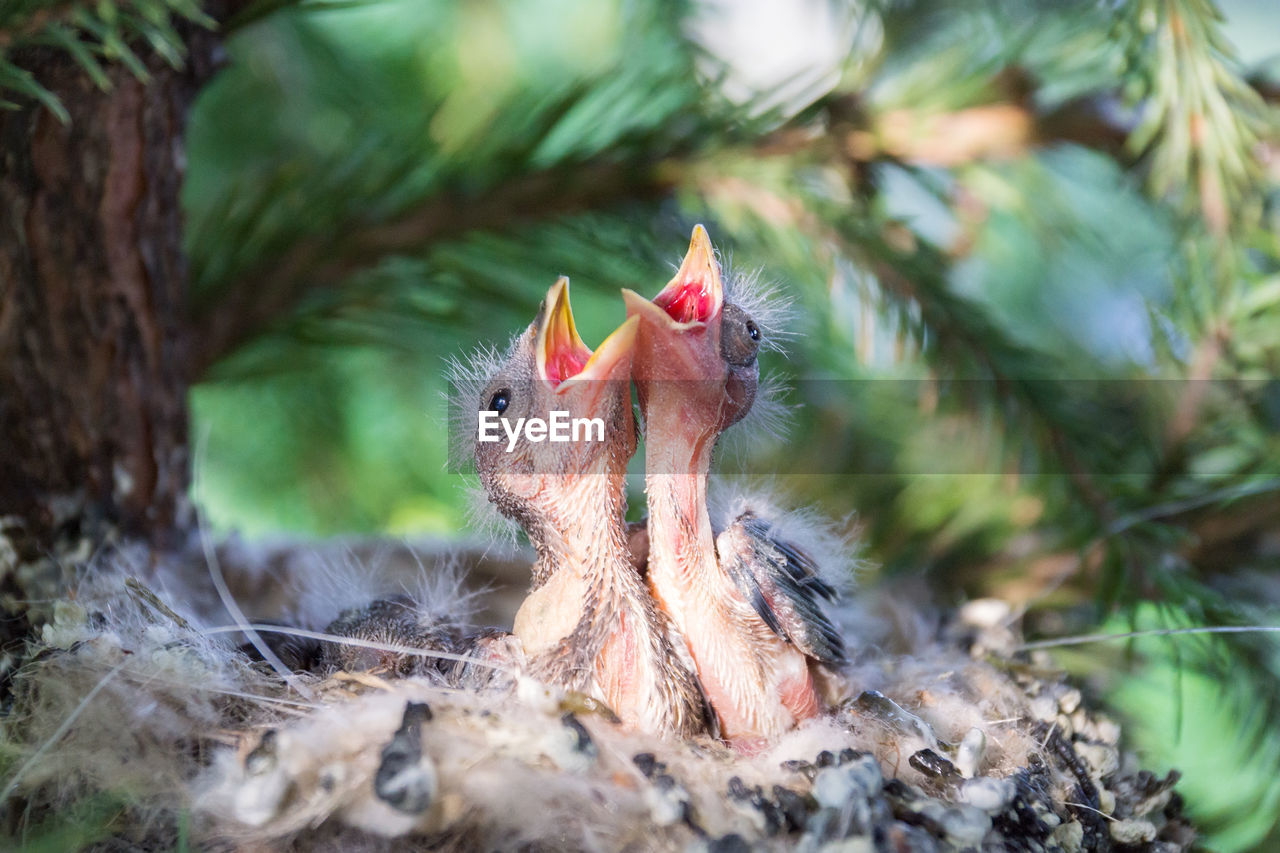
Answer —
144 703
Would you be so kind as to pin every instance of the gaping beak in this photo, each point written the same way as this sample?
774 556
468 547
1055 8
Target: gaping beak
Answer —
567 363
696 294
612 359
558 350
679 336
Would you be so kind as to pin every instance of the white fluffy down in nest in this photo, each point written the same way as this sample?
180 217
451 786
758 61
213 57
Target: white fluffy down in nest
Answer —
137 697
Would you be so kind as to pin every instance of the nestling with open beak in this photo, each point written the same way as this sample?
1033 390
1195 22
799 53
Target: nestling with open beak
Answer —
588 624
746 603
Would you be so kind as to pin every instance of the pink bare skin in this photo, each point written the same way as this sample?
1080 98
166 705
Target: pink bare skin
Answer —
588 624
696 374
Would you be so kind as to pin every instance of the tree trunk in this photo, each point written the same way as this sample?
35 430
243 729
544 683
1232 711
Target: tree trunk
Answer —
94 338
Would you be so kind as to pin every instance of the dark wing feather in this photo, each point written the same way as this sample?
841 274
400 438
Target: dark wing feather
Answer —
781 581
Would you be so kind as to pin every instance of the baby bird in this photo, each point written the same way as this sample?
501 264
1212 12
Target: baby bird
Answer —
588 623
398 622
746 604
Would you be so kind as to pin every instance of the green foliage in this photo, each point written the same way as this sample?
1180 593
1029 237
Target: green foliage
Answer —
1033 245
93 34
87 821
1201 119
1191 698
1080 338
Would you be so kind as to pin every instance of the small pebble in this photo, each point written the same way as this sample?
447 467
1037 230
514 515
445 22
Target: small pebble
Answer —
1044 708
875 704
795 765
1069 836
963 825
966 826
834 787
67 627
1133 831
933 765
792 805
1102 759
1155 803
973 748
989 794
1108 731
865 771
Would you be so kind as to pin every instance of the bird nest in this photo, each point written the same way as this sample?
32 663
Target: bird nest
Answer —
945 740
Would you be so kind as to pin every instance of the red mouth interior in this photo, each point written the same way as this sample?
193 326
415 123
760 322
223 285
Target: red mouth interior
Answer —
688 301
564 362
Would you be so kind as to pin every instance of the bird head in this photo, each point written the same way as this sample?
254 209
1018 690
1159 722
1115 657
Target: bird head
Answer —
550 375
695 349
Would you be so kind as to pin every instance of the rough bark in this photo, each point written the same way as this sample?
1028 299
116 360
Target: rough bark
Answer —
94 339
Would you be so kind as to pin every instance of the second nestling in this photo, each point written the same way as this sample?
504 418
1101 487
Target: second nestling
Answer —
727 618
588 624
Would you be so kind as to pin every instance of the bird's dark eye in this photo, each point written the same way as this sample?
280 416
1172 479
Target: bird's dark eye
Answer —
739 336
499 401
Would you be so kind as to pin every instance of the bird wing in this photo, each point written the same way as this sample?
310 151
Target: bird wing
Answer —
780 580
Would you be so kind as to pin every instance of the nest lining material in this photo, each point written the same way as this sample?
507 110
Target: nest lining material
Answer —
129 692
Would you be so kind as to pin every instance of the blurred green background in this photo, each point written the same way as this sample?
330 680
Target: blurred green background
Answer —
976 198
